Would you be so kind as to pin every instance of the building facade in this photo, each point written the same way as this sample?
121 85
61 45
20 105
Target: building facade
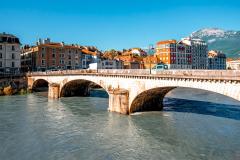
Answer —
48 55
9 53
233 64
177 55
199 52
216 60
28 58
185 54
110 64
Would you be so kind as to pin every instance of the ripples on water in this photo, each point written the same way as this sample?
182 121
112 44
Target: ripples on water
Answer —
33 127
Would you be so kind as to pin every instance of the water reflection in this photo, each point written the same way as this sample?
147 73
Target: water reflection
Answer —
201 107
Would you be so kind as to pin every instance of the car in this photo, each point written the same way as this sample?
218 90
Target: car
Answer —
159 67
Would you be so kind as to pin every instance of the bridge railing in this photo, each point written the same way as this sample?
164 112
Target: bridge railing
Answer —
199 74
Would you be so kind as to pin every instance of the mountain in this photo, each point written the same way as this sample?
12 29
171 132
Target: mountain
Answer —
227 41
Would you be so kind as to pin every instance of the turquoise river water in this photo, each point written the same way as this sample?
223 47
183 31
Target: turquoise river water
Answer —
32 127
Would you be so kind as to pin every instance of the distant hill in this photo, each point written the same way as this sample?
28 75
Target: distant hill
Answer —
218 39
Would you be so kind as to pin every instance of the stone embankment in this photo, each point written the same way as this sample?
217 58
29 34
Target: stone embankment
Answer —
12 86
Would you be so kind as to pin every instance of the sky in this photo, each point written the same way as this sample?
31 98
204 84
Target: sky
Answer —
114 24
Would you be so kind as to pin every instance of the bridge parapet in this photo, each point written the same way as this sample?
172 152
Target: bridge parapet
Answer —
188 74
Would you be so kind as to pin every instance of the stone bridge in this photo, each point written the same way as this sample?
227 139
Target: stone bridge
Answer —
136 90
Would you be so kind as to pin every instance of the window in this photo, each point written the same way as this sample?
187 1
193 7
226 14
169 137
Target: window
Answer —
53 62
0 47
43 62
0 55
69 63
13 48
43 55
0 63
53 55
69 56
61 61
13 64
13 56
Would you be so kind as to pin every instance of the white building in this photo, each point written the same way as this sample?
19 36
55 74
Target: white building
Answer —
9 53
106 64
216 60
233 64
199 50
110 64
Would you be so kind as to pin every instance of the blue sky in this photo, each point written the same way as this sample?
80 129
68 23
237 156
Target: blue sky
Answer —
115 23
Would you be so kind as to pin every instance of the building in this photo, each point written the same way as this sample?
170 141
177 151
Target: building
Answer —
47 55
187 53
107 64
233 64
89 57
216 60
177 55
9 53
199 52
110 64
138 51
28 58
130 61
151 61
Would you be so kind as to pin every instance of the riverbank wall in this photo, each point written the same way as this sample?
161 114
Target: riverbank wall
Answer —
12 85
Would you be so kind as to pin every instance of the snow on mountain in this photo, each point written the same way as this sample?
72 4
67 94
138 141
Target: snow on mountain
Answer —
227 41
211 40
214 32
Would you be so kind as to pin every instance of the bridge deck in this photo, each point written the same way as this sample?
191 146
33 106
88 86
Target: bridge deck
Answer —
227 75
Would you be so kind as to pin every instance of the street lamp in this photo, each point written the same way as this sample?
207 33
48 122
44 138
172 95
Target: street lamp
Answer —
150 66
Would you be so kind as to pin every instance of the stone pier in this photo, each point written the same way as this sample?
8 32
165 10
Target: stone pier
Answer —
119 101
53 90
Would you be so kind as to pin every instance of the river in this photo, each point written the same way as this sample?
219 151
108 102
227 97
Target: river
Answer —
32 127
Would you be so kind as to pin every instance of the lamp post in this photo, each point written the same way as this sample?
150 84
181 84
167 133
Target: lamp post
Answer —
150 66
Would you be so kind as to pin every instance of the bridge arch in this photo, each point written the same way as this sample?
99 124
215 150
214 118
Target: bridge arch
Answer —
152 99
78 87
40 85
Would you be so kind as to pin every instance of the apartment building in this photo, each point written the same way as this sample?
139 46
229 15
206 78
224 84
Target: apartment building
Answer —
216 60
233 64
177 55
199 52
47 55
9 53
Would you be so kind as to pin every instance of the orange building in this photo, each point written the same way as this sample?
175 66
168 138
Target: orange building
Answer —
130 62
53 56
177 55
58 56
151 61
166 51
